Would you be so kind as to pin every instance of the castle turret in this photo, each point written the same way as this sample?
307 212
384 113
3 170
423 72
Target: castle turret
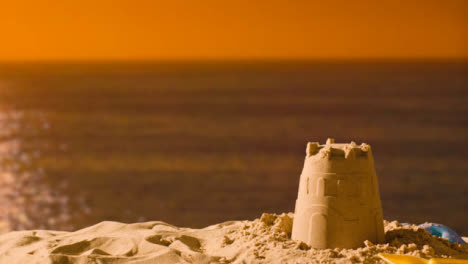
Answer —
338 203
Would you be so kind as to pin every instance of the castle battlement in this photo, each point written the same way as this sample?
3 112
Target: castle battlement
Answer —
331 150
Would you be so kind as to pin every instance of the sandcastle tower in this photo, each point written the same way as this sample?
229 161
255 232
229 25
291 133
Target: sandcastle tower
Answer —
338 203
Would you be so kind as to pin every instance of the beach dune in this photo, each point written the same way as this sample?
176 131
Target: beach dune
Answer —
263 240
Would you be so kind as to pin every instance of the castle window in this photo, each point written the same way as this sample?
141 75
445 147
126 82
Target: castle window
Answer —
331 188
320 187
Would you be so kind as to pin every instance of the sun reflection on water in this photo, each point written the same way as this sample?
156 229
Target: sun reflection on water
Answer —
26 200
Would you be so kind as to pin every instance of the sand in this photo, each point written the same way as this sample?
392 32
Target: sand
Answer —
264 240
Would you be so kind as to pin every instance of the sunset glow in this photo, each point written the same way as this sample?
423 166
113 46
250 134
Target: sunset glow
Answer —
210 29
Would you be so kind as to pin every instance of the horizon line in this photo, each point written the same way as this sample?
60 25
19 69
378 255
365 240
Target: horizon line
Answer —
234 60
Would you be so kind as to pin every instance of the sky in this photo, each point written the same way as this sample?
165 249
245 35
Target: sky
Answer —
226 29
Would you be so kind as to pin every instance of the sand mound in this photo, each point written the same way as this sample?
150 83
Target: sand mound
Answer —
264 240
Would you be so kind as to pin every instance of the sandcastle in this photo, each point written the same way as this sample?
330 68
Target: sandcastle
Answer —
338 204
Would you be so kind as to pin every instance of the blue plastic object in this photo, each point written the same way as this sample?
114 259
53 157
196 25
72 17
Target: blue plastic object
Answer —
443 232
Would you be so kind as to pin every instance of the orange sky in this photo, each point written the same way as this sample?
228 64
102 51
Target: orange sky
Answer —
227 29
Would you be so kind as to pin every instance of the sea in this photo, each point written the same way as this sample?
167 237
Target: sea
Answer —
198 143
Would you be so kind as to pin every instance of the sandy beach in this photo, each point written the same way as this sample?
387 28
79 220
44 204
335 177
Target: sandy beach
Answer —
263 240
173 132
